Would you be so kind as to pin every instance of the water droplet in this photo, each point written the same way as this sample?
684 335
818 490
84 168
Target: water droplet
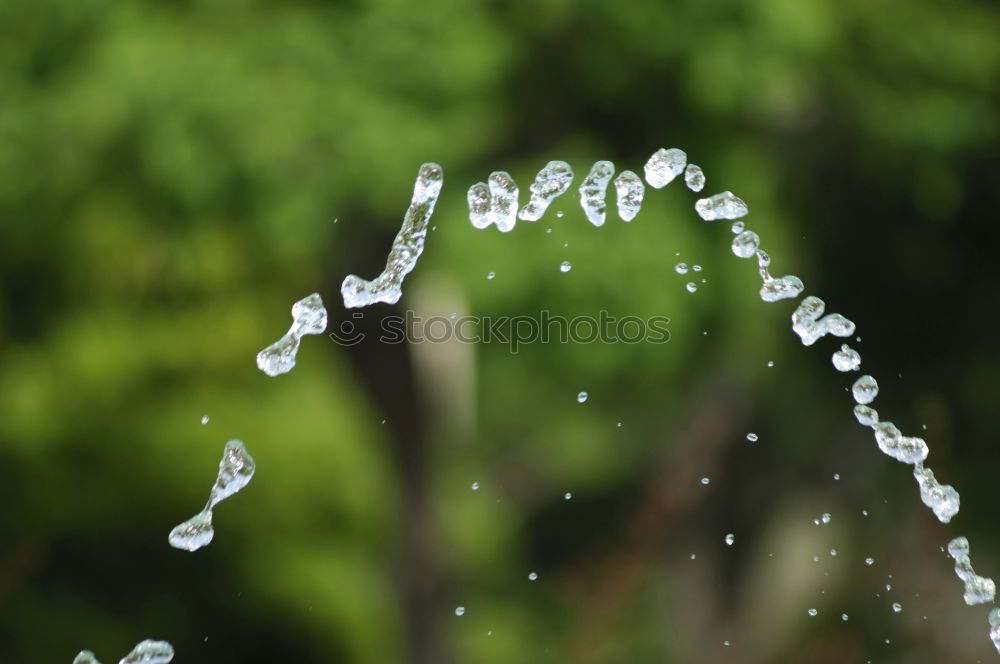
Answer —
459 611
691 287
235 471
812 612
725 643
694 177
567 496
730 538
836 476
593 192
978 589
825 518
491 275
721 206
746 244
664 166
752 437
308 317
149 652
204 420
833 553
770 363
846 359
550 183
869 561
582 397
406 247
565 266
629 191
843 616
533 576
696 268
865 389
560 214
705 480
681 268
737 227
475 486
897 607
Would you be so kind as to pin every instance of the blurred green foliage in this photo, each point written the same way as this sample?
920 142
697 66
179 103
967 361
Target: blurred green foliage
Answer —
174 176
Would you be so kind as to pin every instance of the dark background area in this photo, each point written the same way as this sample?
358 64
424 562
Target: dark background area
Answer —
173 177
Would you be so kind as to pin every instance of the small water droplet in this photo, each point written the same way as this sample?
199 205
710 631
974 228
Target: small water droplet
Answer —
204 420
567 496
582 397
812 612
491 275
825 518
730 538
869 561
533 576
681 268
475 486
752 437
565 266
459 611
705 480
843 616
696 268
833 552
897 607
770 363
836 476
560 214
691 287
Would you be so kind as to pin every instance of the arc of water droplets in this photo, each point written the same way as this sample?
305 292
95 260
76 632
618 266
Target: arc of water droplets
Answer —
406 248
235 471
146 652
308 317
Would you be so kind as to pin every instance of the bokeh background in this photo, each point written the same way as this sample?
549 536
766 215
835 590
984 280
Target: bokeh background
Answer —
173 176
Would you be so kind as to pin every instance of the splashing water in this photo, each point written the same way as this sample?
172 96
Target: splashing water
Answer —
664 166
864 390
594 190
308 317
846 359
943 500
694 177
721 206
504 195
978 589
146 652
551 182
235 471
406 248
808 324
629 191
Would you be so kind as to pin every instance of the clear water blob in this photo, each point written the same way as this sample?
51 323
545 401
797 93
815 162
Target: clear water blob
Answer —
629 192
406 247
866 415
752 437
906 449
696 268
846 359
781 288
582 397
459 611
479 205
694 177
503 201
567 496
812 612
978 589
730 538
593 192
149 652
235 471
681 268
721 206
664 166
737 227
864 390
533 576
746 244
943 499
204 420
809 323
308 317
550 183
897 607
565 266
705 481
475 486
844 617
691 286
